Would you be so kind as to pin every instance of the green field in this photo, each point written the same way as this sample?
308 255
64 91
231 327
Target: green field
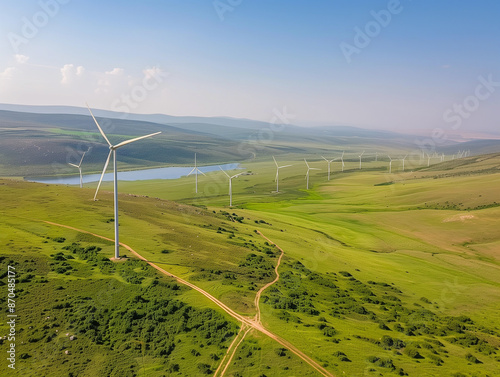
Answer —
383 274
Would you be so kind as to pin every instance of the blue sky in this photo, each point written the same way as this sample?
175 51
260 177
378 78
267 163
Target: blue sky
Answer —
250 57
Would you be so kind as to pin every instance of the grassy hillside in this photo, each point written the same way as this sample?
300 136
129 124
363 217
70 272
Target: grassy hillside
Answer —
383 274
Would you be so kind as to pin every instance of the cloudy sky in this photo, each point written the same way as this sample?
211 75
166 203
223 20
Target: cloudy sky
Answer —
400 65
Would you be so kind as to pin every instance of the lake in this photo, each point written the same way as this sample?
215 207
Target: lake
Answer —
135 175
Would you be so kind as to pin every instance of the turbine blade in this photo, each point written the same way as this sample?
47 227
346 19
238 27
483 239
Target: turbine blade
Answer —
199 171
97 124
76 166
275 161
237 175
80 164
285 166
132 140
306 163
224 172
102 175
192 171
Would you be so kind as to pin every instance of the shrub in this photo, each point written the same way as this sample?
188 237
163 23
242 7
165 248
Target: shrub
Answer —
204 368
472 359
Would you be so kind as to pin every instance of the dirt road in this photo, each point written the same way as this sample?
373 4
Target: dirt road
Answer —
252 323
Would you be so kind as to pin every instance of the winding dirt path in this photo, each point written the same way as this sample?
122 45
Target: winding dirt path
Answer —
250 322
226 361
259 293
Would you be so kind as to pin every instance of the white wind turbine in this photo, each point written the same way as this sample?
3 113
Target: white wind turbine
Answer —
278 173
390 164
329 163
196 171
361 155
428 160
342 160
307 174
79 166
230 185
112 150
403 159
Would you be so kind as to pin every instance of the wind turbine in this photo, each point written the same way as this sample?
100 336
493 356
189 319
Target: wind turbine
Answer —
230 185
428 160
307 174
404 158
342 160
329 162
360 158
79 166
278 173
390 164
196 171
112 150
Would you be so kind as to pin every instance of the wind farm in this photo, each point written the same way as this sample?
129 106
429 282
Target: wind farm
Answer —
296 190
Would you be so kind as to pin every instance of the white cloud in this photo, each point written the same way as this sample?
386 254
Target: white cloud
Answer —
69 72
154 72
21 59
115 72
8 73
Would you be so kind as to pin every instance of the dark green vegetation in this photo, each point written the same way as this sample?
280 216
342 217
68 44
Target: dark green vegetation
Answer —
123 321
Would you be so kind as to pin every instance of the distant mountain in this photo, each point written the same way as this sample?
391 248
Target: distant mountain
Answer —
215 125
35 139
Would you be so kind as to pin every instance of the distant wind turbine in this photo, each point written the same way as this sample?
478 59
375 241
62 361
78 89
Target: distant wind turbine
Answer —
196 171
79 166
361 155
428 160
342 160
278 173
230 185
403 159
112 150
390 164
329 163
307 174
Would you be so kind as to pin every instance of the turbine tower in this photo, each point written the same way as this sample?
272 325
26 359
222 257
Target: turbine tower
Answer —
196 171
230 185
360 158
112 150
404 158
307 174
342 160
278 173
329 163
79 166
390 164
